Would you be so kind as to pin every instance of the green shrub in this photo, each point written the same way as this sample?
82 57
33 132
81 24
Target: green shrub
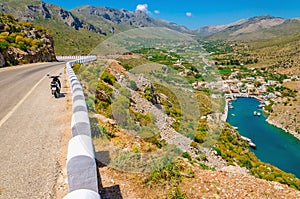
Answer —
133 85
187 156
170 174
76 67
102 86
108 78
4 45
177 194
200 136
127 67
125 92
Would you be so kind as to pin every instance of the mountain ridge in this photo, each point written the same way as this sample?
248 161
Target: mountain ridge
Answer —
80 30
242 29
38 10
122 19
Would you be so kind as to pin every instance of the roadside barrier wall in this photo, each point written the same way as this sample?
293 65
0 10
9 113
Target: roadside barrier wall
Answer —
81 164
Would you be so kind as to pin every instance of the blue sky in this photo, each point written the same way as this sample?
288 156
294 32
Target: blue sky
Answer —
197 13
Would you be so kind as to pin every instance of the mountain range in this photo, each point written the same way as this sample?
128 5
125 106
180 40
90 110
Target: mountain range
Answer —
79 29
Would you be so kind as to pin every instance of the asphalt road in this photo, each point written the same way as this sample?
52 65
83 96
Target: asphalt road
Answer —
32 122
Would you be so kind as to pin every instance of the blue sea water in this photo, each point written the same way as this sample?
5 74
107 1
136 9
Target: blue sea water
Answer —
273 145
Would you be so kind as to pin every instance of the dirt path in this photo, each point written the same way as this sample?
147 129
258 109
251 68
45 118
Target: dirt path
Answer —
31 143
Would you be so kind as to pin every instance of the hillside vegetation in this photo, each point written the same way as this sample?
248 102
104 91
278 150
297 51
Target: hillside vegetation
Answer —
110 85
22 42
280 54
68 41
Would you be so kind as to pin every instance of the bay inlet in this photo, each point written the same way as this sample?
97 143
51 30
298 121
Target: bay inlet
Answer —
273 145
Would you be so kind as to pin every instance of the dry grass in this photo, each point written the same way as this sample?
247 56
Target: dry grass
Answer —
202 184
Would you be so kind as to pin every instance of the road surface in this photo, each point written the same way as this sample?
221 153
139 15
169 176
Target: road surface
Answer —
32 122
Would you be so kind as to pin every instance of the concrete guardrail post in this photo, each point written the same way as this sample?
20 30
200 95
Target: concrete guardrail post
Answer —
81 165
82 194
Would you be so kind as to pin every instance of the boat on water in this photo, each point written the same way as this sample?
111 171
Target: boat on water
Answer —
232 114
257 113
230 106
251 144
236 128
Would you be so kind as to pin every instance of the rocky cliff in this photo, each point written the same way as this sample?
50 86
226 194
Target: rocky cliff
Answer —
113 20
22 42
38 10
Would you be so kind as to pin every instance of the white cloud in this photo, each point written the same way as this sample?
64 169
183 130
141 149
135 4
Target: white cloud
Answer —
142 7
189 14
156 11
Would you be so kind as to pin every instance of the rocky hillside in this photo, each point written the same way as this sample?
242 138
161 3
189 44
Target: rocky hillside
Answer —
71 35
134 131
113 20
38 10
210 30
22 42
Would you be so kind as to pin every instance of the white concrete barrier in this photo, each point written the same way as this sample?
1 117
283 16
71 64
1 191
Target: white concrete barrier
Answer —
79 105
81 165
74 83
81 124
78 94
82 194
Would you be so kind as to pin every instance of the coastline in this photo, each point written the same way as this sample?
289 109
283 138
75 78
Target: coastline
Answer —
276 124
271 122
225 114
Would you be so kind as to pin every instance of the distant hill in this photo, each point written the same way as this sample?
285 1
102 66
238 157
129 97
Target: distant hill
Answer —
210 30
22 42
252 29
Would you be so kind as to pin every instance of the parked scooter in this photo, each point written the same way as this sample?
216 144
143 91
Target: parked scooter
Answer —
55 85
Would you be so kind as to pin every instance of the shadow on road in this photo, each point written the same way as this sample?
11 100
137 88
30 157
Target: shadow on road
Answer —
61 95
113 192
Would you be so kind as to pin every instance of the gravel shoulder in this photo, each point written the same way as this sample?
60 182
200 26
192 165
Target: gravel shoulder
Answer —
32 141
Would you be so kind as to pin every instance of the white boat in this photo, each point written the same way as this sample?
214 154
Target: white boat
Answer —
232 114
236 128
254 113
258 114
251 144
